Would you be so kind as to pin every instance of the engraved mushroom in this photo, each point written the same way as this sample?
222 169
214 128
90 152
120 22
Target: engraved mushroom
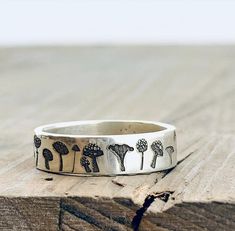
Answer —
37 144
48 157
142 146
62 150
157 148
170 150
85 163
75 148
93 151
120 152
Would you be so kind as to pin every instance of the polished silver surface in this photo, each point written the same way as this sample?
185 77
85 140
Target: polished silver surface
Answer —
105 147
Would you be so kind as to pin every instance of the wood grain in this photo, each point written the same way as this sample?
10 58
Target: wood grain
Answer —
190 87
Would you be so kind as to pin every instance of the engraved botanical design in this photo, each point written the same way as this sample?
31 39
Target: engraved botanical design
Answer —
170 151
62 150
47 156
93 151
37 144
142 146
120 152
75 148
157 148
85 163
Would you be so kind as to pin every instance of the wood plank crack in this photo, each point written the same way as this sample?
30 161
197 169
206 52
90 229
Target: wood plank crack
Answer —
164 196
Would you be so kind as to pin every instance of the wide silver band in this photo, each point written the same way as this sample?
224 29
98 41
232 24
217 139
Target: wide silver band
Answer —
105 147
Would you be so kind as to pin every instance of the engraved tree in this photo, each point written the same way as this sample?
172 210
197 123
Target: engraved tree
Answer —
142 146
157 148
120 152
37 144
170 151
93 151
75 148
48 157
85 163
62 150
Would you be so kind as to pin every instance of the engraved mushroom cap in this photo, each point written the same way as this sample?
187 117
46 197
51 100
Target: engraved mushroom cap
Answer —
92 150
76 148
142 145
47 154
157 147
37 141
170 149
60 148
120 149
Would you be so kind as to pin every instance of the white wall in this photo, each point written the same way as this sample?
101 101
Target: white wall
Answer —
36 22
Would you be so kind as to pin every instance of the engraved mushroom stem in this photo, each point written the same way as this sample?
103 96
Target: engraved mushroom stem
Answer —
170 150
142 161
120 152
157 148
153 164
142 146
62 150
37 144
122 166
48 157
75 148
94 164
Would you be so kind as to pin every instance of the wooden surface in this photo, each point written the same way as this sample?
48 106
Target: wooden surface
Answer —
190 87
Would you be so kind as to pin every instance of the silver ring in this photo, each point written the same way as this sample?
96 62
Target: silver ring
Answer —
105 147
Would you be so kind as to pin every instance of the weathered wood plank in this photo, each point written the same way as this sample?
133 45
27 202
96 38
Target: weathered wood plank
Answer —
191 87
29 213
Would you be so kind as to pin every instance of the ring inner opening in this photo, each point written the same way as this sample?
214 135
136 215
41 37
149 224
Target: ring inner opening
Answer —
106 128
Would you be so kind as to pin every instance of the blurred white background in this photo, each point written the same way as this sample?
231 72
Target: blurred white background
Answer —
61 22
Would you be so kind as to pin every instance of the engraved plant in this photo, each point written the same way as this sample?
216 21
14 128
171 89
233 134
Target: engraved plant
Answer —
170 151
62 150
47 156
37 144
157 148
75 148
120 152
142 146
85 163
93 151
